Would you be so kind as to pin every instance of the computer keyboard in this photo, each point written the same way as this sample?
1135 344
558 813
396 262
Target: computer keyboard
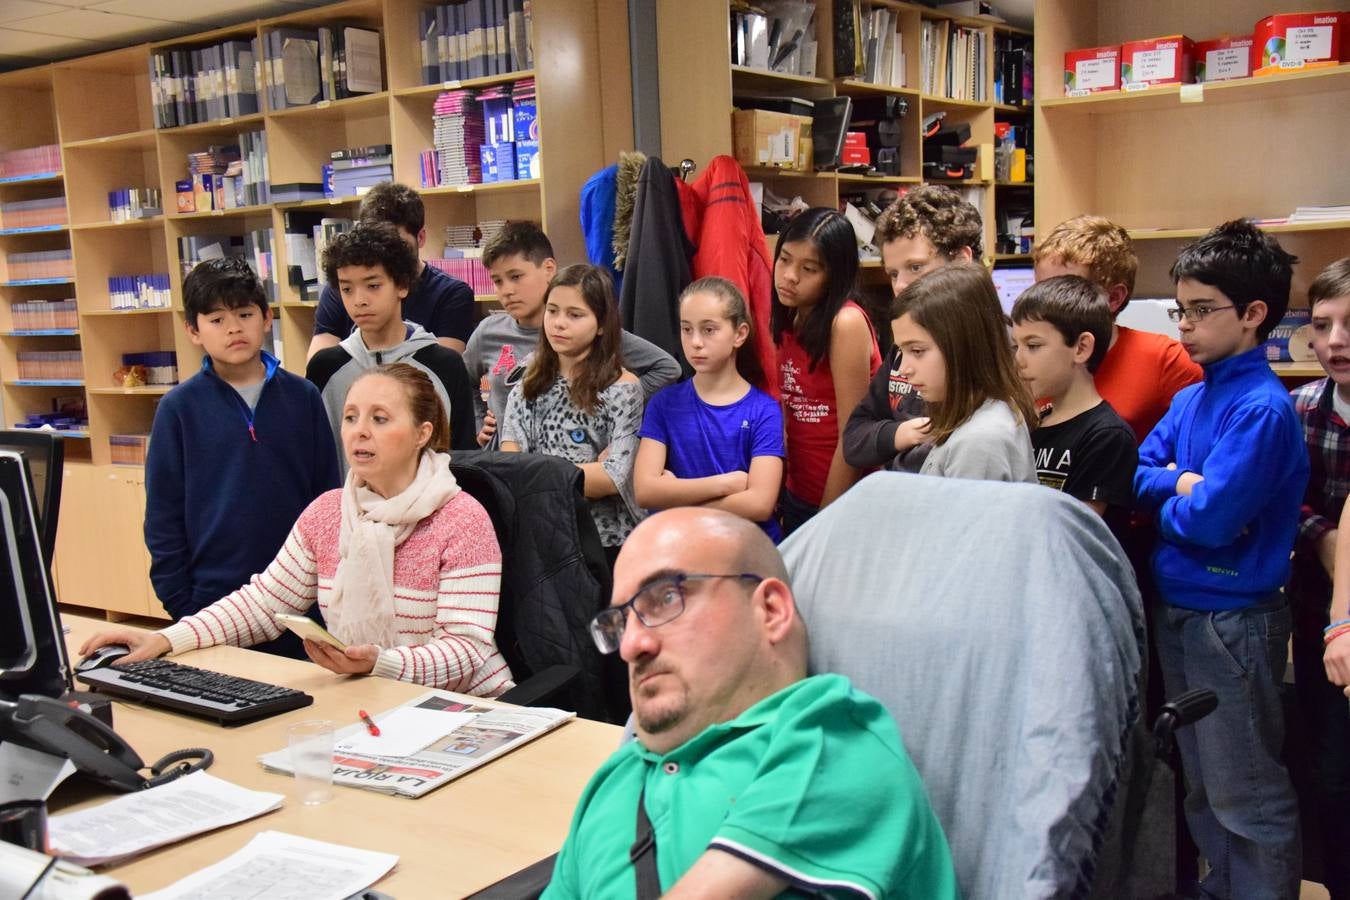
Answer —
209 695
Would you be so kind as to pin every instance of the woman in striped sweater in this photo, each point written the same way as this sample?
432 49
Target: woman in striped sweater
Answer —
403 564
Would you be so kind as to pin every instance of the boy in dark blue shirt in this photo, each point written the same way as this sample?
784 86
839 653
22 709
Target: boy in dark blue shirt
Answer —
236 452
1223 474
443 305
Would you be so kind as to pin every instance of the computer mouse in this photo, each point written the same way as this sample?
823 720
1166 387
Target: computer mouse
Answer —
103 656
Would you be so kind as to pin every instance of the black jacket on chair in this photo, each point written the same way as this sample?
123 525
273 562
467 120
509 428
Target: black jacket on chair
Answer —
554 574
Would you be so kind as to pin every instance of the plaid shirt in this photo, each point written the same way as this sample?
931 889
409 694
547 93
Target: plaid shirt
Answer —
1328 437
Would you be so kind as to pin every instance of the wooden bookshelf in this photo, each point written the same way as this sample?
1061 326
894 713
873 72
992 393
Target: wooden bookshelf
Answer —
1170 165
99 110
697 91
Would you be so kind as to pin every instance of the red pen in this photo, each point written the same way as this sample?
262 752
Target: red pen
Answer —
370 723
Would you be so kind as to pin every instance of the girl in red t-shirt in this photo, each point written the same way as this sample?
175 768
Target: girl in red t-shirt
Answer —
826 354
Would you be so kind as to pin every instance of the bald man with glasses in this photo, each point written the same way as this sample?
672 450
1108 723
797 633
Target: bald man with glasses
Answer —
748 777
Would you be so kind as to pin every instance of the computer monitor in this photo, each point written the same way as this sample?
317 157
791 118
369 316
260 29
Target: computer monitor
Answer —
44 453
33 658
1010 283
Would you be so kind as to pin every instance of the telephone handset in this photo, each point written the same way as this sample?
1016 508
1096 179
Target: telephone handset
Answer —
96 750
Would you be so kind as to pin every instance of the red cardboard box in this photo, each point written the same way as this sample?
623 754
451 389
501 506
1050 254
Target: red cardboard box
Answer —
1299 41
855 152
1091 71
1164 60
1223 59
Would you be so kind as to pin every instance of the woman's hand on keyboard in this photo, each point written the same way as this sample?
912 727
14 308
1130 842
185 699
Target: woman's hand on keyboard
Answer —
143 644
355 660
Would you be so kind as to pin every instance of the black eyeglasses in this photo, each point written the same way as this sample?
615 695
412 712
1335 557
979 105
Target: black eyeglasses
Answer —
1193 313
659 602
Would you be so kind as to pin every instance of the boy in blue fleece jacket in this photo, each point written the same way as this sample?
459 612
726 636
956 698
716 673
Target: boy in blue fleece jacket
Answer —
1223 474
236 452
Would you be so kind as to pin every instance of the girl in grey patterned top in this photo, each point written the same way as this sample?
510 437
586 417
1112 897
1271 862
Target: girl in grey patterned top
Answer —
577 402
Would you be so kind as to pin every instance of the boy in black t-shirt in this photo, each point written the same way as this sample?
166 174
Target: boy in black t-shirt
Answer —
1061 331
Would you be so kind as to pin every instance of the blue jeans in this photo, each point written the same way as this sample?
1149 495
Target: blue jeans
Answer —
1240 805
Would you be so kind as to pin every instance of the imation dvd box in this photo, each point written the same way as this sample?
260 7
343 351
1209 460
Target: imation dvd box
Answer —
1163 60
1091 71
1223 59
1299 41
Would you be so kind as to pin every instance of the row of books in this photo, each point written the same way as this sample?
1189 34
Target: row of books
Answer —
475 39
150 291
226 177
30 161
953 61
203 84
44 315
308 65
307 234
254 247
883 49
45 211
358 169
39 264
50 365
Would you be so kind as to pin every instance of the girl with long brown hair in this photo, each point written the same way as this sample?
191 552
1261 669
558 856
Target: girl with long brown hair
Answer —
577 402
953 335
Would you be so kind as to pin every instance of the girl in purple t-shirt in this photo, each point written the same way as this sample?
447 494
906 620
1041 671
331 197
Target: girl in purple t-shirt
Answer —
717 439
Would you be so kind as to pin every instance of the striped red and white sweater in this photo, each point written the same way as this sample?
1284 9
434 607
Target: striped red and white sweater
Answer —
447 578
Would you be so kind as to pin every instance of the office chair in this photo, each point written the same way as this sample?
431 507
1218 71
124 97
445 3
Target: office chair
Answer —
44 453
554 579
1001 626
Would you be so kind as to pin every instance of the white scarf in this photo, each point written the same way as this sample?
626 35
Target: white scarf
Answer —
362 607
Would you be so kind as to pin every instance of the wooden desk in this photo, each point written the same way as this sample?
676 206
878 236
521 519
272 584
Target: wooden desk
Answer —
455 840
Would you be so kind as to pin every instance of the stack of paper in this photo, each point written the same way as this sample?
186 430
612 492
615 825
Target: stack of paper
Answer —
135 823
274 864
1319 214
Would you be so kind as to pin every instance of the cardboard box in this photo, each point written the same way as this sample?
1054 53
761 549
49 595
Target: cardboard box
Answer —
526 120
1091 71
527 159
856 151
186 200
1163 60
1291 340
1223 59
1299 41
487 157
772 139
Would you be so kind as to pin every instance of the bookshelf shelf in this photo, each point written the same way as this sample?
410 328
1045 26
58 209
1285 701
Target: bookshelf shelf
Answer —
129 225
229 122
320 204
1014 184
45 382
1238 90
1012 257
1297 369
125 312
366 104
432 90
149 390
749 75
31 179
238 211
132 140
849 86
1014 110
35 282
937 100
36 229
879 180
520 184
44 332
485 298
1179 234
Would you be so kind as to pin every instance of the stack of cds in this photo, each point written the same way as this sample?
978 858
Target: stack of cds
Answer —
457 134
214 160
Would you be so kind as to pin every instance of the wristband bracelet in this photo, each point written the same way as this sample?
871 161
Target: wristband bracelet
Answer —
1328 638
1336 624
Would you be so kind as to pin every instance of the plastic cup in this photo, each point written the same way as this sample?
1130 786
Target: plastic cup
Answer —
311 746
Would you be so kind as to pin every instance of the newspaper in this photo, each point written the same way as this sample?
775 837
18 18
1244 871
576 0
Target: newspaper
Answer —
493 731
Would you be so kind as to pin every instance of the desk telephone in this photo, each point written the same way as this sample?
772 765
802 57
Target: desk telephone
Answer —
54 727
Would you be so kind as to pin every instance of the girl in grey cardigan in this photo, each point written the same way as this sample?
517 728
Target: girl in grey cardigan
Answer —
956 352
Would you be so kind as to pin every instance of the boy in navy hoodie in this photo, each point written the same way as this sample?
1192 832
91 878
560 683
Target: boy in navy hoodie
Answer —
1223 474
236 452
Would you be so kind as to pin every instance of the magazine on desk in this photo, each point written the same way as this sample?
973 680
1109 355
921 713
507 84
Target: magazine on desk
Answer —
428 741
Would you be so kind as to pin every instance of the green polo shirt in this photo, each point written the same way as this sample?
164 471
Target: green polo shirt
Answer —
811 783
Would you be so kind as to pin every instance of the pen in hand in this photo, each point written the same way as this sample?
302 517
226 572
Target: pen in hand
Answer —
370 723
